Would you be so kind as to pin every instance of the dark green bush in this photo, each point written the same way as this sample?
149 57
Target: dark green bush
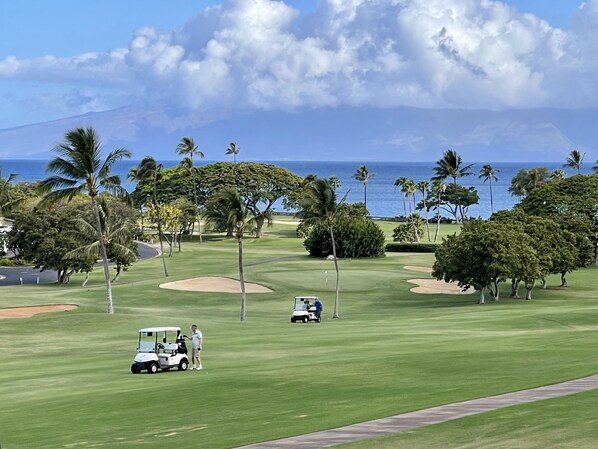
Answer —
411 247
354 238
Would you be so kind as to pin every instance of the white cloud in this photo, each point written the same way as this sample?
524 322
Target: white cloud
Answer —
254 54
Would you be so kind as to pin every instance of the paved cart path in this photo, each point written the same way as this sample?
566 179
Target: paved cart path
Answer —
420 418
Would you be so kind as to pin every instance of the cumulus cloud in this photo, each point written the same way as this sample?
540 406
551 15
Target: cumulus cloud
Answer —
258 54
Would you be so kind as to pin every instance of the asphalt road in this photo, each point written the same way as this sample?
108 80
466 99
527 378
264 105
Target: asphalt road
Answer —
28 275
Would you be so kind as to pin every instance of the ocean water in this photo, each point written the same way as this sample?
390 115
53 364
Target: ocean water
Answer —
383 198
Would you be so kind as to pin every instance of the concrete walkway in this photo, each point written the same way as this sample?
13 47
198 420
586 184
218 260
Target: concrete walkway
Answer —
420 418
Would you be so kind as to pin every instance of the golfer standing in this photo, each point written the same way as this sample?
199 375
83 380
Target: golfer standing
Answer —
196 342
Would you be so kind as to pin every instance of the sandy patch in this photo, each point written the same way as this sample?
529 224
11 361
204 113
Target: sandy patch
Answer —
214 284
432 286
418 268
28 312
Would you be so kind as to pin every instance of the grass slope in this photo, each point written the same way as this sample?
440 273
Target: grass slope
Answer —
65 380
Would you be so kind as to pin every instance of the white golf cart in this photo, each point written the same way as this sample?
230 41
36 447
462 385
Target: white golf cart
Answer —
304 309
160 348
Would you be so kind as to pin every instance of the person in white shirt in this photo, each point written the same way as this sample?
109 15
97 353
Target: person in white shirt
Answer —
196 343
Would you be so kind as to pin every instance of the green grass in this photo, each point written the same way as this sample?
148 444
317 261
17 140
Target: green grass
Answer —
65 381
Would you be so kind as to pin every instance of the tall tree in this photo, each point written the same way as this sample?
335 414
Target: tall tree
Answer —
187 148
400 182
423 187
335 182
228 206
149 171
488 173
438 189
5 192
80 169
319 205
233 149
574 160
451 165
363 175
409 189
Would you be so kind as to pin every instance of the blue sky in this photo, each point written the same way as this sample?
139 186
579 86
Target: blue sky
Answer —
207 58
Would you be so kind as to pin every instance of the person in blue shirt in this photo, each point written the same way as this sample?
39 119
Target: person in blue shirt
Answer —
318 305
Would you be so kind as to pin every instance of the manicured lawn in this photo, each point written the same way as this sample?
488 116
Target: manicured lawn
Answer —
66 382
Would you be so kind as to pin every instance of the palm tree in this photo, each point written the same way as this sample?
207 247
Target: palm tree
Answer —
188 149
234 150
409 189
227 206
558 175
400 182
117 235
5 188
575 160
488 173
319 205
149 171
450 165
80 169
438 187
363 175
423 187
335 182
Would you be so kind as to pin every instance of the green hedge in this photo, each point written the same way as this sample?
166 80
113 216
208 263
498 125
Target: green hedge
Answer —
411 247
354 238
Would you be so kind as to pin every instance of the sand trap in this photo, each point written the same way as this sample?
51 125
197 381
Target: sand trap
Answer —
214 284
418 268
432 286
28 312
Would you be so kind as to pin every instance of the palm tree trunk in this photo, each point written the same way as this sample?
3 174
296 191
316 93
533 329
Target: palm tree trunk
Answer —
427 222
96 213
365 195
242 278
491 199
159 223
86 279
335 312
437 218
199 225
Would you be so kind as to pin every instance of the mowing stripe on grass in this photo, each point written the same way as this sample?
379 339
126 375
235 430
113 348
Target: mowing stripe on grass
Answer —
428 416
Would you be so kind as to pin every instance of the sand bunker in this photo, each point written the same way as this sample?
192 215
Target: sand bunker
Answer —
28 312
432 286
214 284
418 268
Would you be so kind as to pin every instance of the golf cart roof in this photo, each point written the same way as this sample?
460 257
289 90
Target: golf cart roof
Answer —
306 297
160 329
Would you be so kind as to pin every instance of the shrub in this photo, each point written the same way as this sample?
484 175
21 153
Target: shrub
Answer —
405 232
411 247
7 262
354 238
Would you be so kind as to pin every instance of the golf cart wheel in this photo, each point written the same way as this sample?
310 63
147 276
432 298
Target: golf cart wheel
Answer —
293 319
135 369
152 368
305 319
183 365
